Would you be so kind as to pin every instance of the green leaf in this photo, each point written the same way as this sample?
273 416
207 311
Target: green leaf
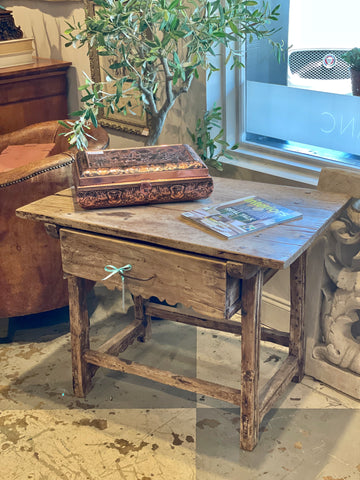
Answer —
78 113
64 124
142 39
233 27
219 34
86 98
173 4
115 66
175 78
93 119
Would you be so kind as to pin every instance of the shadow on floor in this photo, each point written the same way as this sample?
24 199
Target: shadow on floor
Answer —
52 324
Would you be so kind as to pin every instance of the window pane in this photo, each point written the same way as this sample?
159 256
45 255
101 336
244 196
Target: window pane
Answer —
305 103
314 118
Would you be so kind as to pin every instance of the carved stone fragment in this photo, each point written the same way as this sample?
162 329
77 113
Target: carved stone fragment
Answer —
340 325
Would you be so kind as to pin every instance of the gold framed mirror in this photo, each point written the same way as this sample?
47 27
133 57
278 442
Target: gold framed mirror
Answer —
136 122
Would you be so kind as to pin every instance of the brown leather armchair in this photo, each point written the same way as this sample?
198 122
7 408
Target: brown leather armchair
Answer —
31 279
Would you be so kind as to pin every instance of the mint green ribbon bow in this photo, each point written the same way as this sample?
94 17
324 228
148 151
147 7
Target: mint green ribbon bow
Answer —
115 270
121 270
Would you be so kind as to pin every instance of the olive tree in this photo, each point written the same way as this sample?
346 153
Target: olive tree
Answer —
159 46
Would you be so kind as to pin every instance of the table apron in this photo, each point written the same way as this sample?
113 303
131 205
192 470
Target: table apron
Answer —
195 281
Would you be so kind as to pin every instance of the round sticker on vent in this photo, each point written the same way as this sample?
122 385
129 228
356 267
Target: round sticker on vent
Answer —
329 61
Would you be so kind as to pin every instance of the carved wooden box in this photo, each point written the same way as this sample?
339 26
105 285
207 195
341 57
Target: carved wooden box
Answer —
135 176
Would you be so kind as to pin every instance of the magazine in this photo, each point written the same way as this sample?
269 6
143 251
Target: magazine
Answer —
241 216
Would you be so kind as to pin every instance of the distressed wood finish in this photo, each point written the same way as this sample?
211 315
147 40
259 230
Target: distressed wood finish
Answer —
268 274
119 342
52 230
275 387
142 316
297 299
241 270
221 392
250 351
79 330
276 247
181 263
155 271
229 326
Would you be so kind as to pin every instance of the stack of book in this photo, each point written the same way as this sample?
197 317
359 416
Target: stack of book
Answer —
16 52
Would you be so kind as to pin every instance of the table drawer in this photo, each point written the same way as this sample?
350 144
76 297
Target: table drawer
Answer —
195 281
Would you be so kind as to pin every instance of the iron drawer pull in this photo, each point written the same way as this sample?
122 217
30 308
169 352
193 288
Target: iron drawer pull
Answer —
140 279
121 270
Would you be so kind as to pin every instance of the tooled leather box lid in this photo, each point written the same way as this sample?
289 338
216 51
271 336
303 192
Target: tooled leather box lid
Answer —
141 164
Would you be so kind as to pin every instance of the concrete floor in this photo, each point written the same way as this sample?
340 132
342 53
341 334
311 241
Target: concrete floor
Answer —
130 428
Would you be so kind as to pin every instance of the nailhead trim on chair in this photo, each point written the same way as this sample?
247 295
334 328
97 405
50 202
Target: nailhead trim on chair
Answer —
23 179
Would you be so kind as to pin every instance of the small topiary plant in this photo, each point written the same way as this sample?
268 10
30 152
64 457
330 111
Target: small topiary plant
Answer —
210 149
352 58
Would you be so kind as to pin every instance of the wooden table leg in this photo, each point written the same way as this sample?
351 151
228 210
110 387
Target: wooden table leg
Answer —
141 316
250 354
79 329
297 299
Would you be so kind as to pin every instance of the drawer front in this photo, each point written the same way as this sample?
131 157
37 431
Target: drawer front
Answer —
33 88
194 281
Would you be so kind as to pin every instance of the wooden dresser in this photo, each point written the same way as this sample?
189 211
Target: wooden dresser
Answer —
33 93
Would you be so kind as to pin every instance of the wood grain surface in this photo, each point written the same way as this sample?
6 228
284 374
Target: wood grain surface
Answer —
181 263
275 247
154 271
33 93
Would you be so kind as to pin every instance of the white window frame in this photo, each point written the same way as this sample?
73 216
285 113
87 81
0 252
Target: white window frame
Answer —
227 88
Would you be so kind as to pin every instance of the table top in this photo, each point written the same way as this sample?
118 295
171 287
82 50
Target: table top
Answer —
160 224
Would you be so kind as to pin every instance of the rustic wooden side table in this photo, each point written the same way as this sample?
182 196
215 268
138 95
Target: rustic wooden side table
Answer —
179 263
